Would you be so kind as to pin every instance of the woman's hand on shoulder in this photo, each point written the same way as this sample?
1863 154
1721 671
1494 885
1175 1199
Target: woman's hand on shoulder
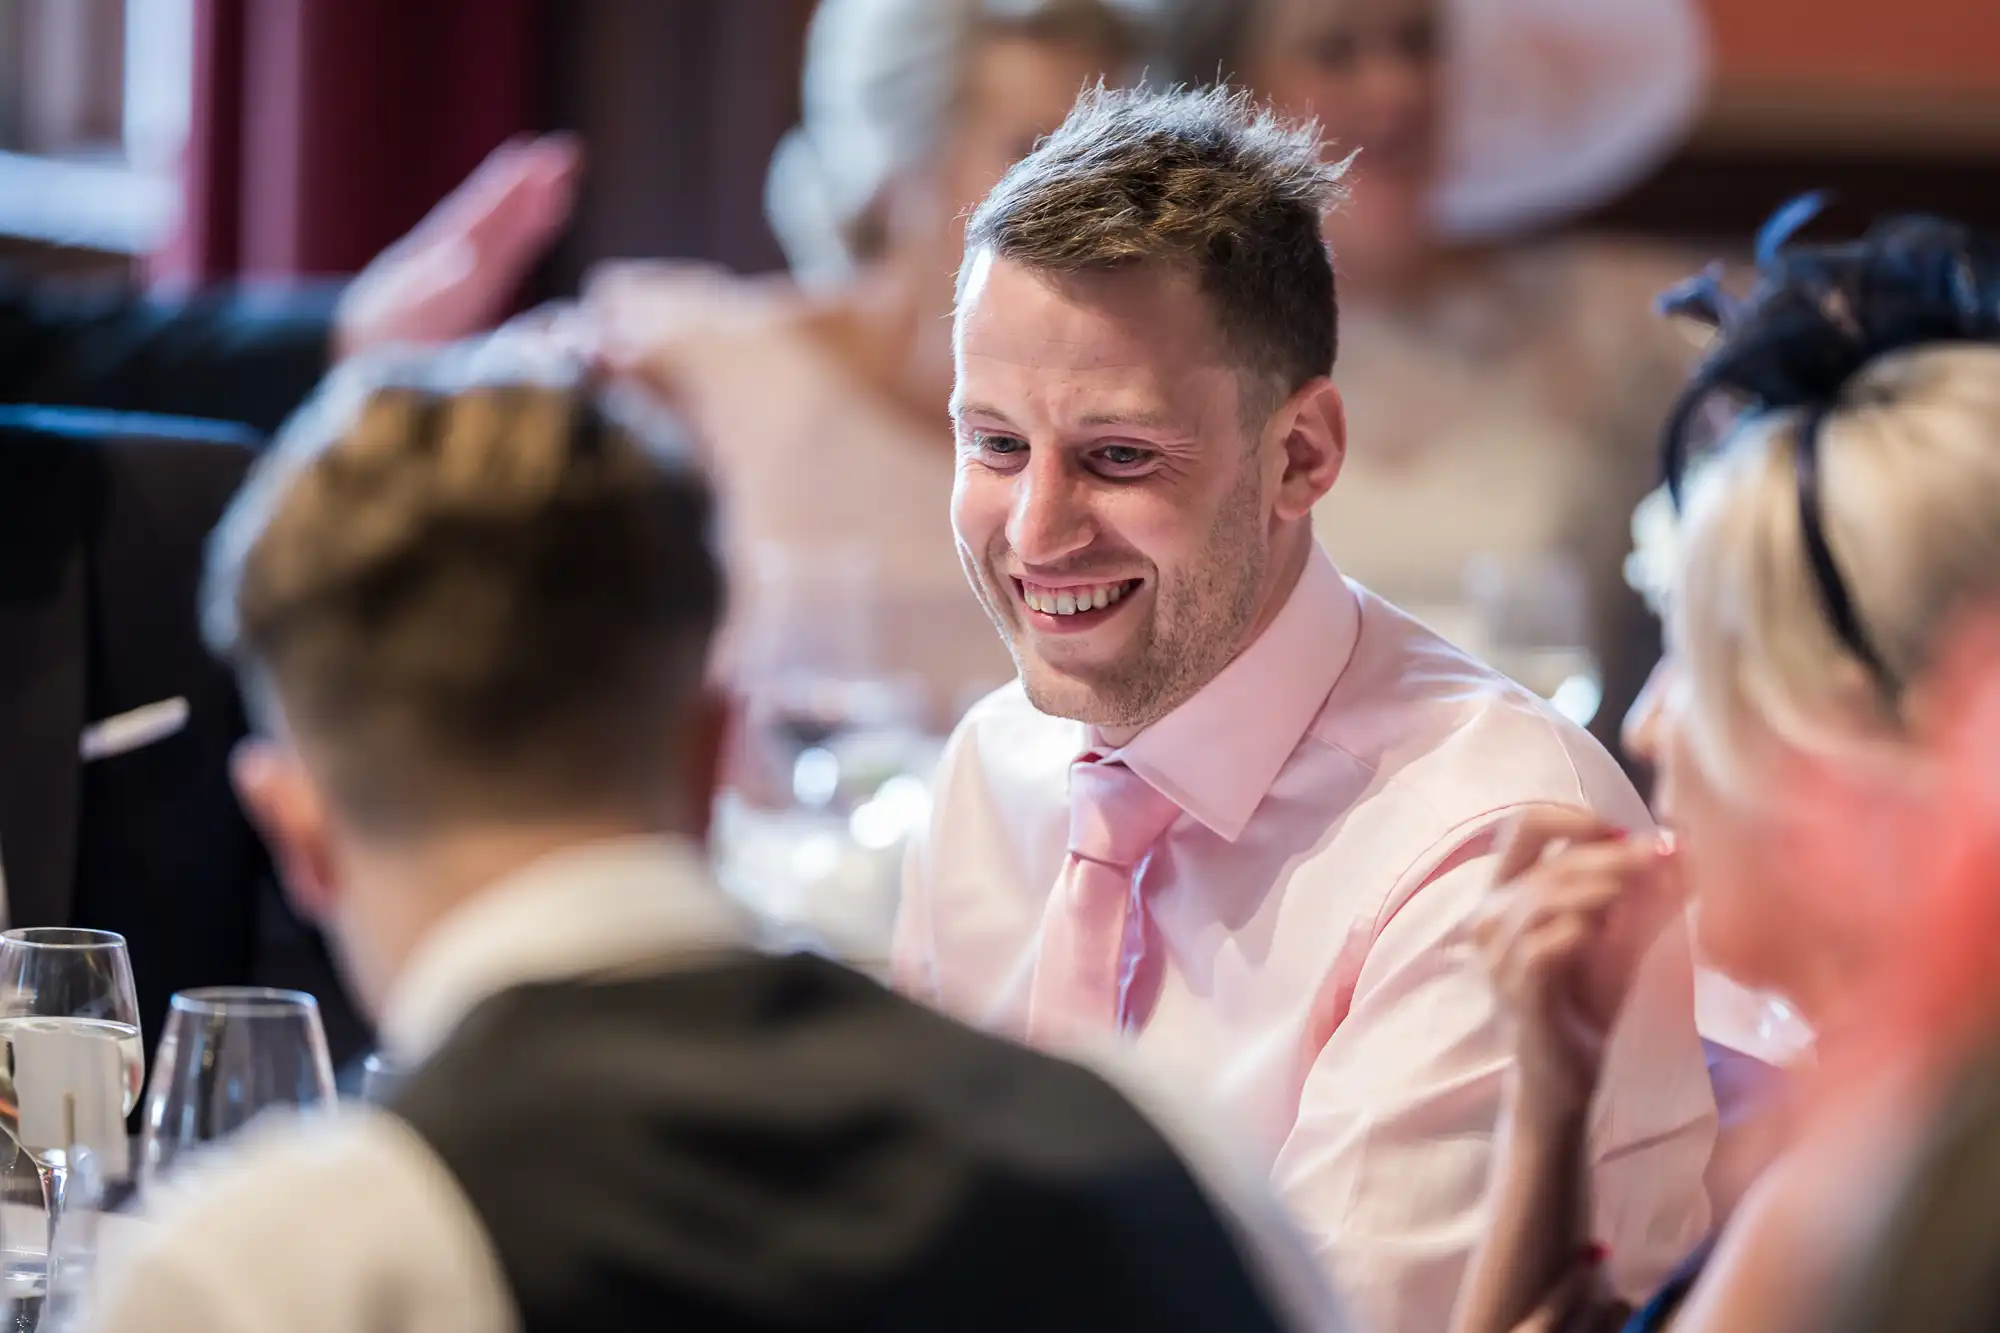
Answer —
1575 907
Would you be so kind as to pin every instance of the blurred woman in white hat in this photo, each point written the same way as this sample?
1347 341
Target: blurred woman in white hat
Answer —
1502 390
825 394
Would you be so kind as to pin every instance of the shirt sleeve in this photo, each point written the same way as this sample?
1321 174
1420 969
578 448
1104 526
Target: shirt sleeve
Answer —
345 1226
1387 1164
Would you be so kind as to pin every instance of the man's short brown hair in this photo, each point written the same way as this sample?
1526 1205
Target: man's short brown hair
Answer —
1204 183
470 586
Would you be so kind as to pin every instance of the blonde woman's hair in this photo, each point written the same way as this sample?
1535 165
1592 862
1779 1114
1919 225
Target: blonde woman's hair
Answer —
1852 514
1911 509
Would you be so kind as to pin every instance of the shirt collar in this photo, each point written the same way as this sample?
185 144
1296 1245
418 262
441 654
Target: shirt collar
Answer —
589 908
1219 752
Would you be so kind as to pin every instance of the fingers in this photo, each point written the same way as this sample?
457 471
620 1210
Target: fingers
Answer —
1582 880
1578 924
1529 834
513 205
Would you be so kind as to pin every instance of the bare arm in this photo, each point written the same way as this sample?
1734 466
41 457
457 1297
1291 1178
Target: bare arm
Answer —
1570 920
1540 1227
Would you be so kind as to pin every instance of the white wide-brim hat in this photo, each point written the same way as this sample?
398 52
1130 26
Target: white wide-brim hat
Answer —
880 80
1556 106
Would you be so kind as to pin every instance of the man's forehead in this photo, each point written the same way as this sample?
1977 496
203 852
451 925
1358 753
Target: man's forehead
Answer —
1127 319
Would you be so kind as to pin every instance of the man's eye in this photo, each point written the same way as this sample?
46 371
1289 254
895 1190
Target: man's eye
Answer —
998 444
1123 455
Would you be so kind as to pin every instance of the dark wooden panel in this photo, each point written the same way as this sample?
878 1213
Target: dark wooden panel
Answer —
1714 196
680 103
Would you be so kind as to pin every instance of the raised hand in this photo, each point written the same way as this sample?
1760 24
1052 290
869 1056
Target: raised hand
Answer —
454 273
1576 905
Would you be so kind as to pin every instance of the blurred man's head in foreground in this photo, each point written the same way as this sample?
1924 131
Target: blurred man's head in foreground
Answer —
470 597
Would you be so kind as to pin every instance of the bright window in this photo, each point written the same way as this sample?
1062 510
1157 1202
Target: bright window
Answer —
94 108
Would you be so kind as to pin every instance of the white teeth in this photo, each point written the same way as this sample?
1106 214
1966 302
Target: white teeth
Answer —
1072 600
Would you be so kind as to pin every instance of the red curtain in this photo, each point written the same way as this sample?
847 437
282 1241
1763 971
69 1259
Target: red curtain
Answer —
323 129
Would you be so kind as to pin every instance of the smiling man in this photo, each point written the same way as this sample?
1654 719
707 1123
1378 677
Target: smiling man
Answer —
1237 809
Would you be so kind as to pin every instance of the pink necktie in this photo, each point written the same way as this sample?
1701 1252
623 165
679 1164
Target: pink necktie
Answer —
1088 940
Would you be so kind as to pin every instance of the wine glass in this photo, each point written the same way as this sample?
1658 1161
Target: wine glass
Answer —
70 1069
61 986
61 979
827 747
227 1054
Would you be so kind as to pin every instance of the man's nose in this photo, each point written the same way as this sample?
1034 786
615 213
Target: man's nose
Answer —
1050 518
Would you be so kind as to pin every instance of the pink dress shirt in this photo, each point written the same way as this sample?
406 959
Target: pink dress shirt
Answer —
1306 964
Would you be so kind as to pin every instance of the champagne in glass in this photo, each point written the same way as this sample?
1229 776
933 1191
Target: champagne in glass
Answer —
58 982
125 1036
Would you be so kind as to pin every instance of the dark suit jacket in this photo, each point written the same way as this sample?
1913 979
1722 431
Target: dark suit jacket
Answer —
230 354
103 521
779 1144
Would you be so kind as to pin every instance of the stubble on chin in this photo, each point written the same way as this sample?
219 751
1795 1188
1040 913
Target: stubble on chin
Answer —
1192 632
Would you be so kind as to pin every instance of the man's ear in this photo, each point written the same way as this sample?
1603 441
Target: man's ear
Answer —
285 805
1311 428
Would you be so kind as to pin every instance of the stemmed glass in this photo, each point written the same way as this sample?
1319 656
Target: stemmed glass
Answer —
822 769
71 1065
229 1053
59 980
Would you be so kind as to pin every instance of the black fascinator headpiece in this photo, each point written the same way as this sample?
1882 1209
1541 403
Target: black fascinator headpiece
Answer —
1816 316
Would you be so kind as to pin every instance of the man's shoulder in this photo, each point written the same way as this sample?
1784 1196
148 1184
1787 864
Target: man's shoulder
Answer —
265 1163
1433 724
304 1223
304 1220
936 1145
